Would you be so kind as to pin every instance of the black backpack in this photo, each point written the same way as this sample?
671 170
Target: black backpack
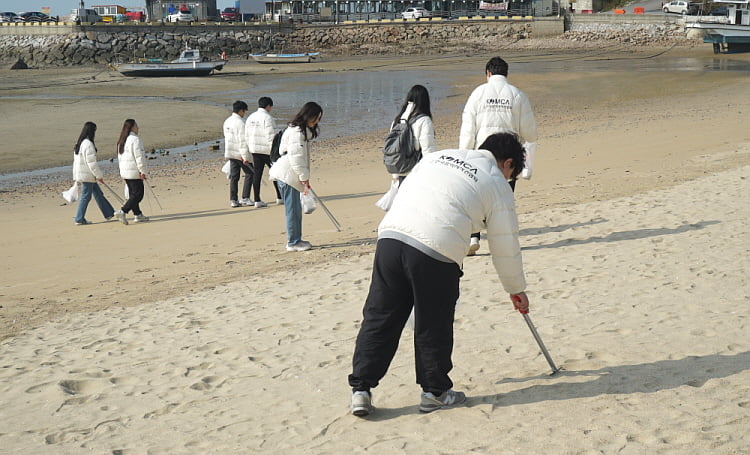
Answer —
275 145
401 151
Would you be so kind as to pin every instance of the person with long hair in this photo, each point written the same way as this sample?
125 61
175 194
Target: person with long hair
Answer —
86 171
292 170
416 110
132 160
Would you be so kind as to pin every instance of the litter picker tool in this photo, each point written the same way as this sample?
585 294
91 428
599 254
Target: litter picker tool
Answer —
538 339
154 195
117 196
333 219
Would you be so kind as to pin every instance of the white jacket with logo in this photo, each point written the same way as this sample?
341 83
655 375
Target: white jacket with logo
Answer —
132 160
260 128
450 194
498 107
235 144
85 167
294 164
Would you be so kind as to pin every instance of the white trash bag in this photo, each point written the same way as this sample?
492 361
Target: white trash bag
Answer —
386 200
71 195
226 168
308 202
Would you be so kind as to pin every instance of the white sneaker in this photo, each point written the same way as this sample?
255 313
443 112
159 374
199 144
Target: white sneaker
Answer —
361 403
234 204
121 216
247 202
473 246
260 204
140 218
280 201
299 246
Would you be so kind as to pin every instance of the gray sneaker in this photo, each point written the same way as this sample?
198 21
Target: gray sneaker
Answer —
140 219
234 204
121 216
361 403
448 399
260 204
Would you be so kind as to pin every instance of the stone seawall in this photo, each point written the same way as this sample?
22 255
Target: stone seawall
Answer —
107 43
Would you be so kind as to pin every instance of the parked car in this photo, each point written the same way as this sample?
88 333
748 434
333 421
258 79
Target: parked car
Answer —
10 16
415 13
180 16
135 16
680 7
35 16
85 15
231 14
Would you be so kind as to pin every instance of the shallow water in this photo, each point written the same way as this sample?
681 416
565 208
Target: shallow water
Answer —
359 101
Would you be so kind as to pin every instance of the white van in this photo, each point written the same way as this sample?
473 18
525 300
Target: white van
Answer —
85 15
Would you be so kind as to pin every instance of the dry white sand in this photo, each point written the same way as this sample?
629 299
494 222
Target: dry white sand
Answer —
642 300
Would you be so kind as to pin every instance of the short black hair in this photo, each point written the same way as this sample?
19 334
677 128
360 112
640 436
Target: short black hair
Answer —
504 146
264 102
239 106
496 65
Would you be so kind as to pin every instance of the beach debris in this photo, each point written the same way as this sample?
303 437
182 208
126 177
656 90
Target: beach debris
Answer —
19 65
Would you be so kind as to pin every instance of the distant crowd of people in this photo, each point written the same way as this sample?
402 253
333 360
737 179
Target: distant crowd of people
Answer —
442 204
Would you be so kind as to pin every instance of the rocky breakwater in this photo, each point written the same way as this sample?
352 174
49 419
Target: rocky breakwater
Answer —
633 34
87 48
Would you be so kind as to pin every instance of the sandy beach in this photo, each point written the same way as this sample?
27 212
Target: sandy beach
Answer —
198 333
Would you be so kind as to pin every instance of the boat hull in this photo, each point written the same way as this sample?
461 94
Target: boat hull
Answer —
189 69
284 58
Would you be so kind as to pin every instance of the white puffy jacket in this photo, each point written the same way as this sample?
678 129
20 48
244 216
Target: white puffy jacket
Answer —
496 107
294 164
260 128
132 160
235 144
85 167
450 194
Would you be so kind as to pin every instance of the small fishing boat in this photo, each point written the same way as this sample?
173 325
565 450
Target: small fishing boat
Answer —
190 63
728 27
306 57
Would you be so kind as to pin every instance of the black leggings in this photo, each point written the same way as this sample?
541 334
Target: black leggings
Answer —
135 196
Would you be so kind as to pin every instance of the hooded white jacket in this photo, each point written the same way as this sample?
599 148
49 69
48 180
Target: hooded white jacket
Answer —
294 164
132 160
497 107
235 144
85 167
450 194
260 128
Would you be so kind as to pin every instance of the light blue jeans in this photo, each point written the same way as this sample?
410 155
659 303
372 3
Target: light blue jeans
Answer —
89 189
293 211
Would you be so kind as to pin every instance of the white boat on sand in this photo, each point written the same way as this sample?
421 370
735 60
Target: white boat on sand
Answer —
190 63
306 57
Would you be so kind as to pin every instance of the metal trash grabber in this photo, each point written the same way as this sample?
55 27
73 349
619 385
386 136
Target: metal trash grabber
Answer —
117 196
538 339
333 219
154 195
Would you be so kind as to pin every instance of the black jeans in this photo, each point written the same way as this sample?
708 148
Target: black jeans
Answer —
234 179
260 161
135 196
404 277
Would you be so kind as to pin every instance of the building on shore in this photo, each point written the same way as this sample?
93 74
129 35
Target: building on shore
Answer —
158 10
352 10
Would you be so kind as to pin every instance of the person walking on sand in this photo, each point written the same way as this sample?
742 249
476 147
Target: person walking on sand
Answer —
493 107
131 157
420 248
260 129
236 151
86 171
292 170
416 109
